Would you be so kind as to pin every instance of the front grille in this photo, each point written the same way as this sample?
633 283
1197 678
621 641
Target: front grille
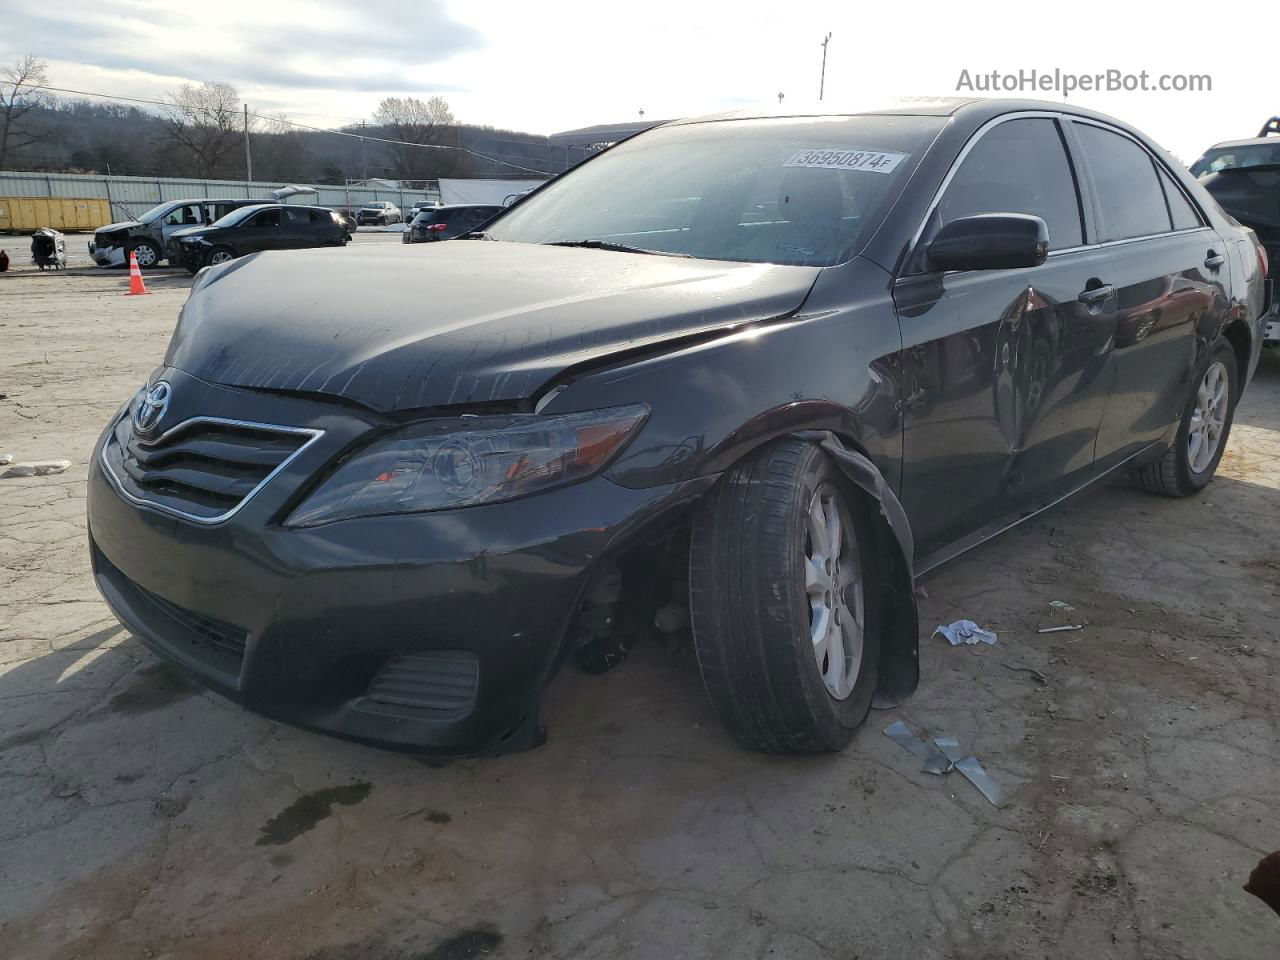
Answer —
204 469
441 682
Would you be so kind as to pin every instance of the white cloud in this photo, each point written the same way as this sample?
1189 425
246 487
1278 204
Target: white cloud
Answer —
556 65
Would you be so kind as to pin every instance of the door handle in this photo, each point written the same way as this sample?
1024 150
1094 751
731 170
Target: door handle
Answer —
1214 260
1096 294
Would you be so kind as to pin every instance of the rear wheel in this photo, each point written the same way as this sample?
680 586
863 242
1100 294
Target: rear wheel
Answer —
219 255
146 251
1189 464
780 583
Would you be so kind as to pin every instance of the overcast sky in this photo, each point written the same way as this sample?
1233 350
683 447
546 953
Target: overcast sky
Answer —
555 65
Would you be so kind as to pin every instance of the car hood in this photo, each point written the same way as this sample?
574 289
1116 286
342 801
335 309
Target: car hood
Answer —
464 322
188 232
122 225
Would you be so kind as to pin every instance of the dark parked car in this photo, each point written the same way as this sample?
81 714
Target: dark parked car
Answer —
150 237
446 223
385 496
267 226
1244 177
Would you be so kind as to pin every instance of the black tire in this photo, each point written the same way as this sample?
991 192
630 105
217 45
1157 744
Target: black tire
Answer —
1173 474
210 257
146 250
750 612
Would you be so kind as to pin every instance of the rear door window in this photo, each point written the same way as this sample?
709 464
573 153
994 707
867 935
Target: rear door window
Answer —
1129 192
1180 209
1019 166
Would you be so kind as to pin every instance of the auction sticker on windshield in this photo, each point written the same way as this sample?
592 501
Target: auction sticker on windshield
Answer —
873 160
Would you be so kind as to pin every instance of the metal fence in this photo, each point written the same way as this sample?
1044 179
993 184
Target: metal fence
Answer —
131 196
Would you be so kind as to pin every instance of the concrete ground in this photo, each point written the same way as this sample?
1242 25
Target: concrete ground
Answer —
142 817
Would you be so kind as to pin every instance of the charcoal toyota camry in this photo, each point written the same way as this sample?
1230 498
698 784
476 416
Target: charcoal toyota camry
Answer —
760 370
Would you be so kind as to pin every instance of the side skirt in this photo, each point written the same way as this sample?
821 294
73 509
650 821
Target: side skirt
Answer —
936 559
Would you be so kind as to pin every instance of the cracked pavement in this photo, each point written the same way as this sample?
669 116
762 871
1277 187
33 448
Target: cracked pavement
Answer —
143 816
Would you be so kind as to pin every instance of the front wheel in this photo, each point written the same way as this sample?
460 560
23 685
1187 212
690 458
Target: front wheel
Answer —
1190 463
781 602
219 255
148 254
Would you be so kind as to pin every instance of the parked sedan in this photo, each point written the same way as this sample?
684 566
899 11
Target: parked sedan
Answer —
380 213
267 226
446 223
385 496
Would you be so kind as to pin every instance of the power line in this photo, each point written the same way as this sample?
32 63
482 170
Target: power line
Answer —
293 123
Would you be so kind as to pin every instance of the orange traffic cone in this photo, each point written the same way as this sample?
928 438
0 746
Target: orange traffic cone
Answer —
136 286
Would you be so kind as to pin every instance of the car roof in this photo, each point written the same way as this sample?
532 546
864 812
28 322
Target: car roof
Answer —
974 111
240 200
1250 142
463 206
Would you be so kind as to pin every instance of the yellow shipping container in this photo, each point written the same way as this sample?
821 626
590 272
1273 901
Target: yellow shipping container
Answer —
25 214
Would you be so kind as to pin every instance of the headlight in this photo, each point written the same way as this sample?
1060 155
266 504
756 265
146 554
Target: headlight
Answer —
464 462
197 238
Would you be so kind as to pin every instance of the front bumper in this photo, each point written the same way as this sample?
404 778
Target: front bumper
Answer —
104 256
462 614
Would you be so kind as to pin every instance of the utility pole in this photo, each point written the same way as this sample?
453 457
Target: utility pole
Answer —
248 157
822 80
642 113
364 152
780 96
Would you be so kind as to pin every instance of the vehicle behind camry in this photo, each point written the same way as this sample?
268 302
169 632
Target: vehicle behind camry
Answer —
150 237
379 213
448 222
1244 177
253 229
742 379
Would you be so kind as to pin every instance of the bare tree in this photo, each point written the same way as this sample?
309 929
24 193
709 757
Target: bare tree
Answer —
20 84
205 124
279 150
415 122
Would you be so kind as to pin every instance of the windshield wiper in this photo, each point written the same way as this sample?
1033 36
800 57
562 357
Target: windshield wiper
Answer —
615 247
476 235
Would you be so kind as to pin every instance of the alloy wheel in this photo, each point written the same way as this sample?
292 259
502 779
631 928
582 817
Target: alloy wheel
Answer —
833 585
221 256
1209 417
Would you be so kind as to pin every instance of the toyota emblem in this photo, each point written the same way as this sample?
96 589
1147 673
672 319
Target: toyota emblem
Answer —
150 409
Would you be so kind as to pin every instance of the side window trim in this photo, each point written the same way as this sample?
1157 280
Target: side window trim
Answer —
1166 177
1085 204
1158 167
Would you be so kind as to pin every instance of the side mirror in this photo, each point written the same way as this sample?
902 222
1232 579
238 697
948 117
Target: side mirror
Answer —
990 241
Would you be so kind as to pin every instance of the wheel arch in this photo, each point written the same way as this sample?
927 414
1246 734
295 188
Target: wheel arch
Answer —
1240 336
894 545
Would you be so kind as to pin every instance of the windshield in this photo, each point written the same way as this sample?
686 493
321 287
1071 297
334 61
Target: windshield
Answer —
236 216
791 191
156 212
1237 158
